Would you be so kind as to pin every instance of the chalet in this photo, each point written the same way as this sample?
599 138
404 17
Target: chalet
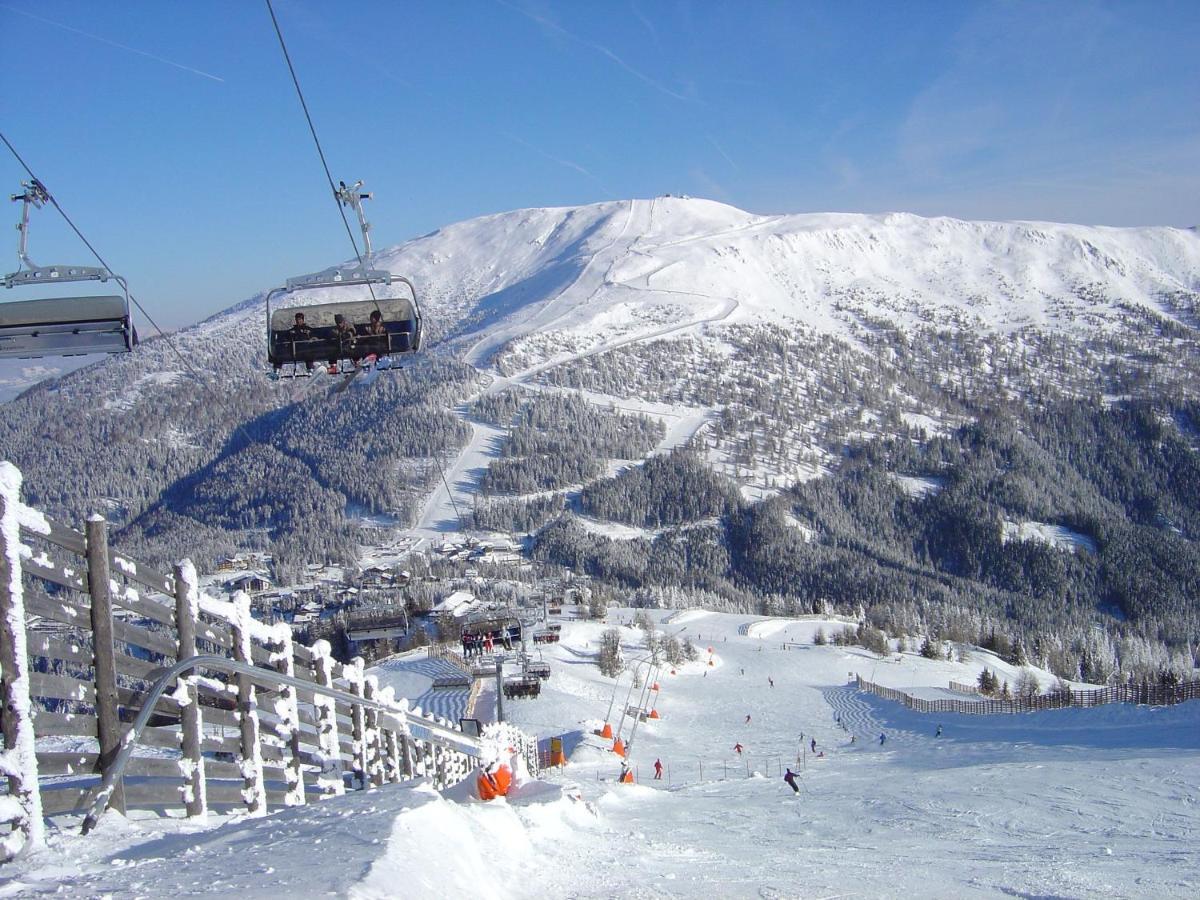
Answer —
456 605
251 583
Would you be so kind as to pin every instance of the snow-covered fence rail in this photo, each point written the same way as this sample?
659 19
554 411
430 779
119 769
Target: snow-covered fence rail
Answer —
1147 694
85 631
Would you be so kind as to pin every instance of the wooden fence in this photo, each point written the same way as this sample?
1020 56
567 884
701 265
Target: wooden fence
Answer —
83 632
1148 694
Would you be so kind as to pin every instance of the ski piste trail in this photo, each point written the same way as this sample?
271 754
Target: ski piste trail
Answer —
1098 802
438 515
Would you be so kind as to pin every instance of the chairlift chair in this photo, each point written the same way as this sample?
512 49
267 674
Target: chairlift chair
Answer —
322 342
61 326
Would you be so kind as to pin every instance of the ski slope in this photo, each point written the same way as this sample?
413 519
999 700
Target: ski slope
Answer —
1101 802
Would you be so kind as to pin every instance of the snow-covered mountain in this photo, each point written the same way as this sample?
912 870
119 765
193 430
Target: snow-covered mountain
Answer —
584 277
553 282
784 336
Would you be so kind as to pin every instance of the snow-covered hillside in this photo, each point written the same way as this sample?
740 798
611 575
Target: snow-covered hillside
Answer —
1100 802
568 280
582 277
768 343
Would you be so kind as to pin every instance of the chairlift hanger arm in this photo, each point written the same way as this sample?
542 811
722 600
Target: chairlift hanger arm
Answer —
36 195
351 196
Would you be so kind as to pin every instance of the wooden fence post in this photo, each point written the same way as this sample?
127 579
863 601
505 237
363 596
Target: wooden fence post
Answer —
287 710
353 673
374 738
108 714
408 764
329 782
17 716
187 613
393 757
253 791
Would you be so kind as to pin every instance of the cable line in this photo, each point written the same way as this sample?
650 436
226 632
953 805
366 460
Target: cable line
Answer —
78 233
316 140
207 386
449 493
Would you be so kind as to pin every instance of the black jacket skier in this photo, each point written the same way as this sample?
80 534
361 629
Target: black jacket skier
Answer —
790 778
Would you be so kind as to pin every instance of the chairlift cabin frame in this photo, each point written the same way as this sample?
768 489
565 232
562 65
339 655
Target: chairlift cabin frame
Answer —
325 343
496 624
401 318
75 325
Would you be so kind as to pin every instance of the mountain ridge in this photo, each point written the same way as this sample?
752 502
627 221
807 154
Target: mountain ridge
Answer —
772 346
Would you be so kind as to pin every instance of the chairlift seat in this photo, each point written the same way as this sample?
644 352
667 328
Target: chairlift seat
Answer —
399 316
65 326
522 686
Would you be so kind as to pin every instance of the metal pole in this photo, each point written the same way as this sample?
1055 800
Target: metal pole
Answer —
643 693
612 698
499 687
628 694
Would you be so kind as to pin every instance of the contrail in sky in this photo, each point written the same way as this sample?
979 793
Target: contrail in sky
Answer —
562 162
599 48
103 40
721 150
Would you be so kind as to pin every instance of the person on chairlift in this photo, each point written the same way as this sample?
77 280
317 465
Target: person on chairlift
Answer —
376 333
343 332
300 332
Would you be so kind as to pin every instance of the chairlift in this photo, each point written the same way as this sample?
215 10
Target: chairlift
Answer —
344 335
522 686
502 629
60 326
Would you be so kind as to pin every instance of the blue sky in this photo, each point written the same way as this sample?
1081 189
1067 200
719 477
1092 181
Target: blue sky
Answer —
171 133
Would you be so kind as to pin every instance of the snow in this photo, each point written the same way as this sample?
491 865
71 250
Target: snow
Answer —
1077 802
19 759
457 604
931 427
555 286
916 486
1054 535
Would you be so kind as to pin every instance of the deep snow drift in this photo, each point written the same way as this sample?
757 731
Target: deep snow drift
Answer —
1073 803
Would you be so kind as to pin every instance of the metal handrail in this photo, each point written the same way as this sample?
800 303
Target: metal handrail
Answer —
417 727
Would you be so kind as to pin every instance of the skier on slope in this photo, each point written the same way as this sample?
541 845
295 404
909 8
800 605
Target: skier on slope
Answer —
882 739
813 745
738 748
747 718
770 681
790 778
658 770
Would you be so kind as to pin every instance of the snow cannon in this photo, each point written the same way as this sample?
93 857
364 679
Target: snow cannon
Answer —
606 731
618 748
626 777
654 687
710 662
494 781
654 714
557 756
672 671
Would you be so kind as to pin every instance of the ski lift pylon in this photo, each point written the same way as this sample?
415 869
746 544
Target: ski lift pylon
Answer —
60 326
358 330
